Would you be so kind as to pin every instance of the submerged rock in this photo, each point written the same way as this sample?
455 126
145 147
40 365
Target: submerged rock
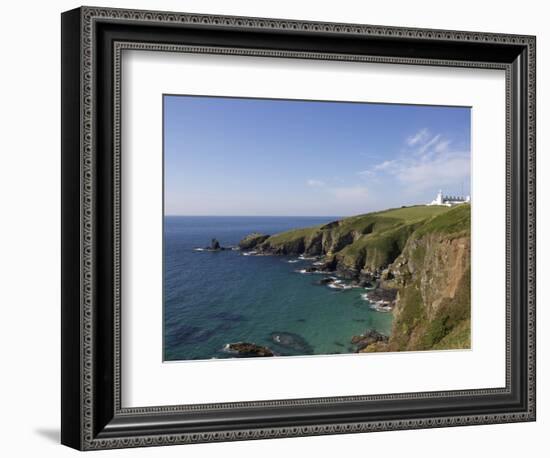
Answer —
248 349
292 341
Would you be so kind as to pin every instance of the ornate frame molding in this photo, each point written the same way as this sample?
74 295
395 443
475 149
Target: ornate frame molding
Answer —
89 436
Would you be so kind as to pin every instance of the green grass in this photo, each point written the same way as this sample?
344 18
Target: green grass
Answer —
458 338
378 249
415 213
369 223
289 236
456 220
373 240
378 221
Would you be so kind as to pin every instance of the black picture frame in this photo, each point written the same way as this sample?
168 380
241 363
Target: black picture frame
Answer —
92 416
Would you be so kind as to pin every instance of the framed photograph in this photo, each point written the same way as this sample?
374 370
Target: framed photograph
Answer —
276 228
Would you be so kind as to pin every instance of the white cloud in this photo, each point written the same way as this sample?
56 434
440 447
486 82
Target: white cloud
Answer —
442 146
386 165
366 173
420 137
315 183
427 162
427 145
445 169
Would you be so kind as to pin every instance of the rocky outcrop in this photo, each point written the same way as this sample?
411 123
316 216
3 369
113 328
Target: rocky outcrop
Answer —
382 299
370 337
247 349
214 246
251 241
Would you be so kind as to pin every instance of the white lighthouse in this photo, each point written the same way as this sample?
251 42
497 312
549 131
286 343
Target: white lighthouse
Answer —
449 201
439 199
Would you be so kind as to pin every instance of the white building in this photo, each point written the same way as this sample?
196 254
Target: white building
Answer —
449 201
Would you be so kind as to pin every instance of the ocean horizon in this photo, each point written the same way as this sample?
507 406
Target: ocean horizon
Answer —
212 299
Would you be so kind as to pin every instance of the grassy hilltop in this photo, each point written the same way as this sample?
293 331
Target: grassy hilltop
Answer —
422 252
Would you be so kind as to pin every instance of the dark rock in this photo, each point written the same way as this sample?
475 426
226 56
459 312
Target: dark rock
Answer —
369 337
346 272
367 280
320 267
214 246
382 294
326 265
312 269
314 246
247 349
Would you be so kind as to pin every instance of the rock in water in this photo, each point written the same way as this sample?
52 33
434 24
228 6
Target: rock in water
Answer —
292 341
249 349
382 295
214 246
369 337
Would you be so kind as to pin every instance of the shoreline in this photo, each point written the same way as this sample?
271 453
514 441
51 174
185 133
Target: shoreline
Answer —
378 299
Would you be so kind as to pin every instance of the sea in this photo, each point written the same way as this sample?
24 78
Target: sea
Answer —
212 299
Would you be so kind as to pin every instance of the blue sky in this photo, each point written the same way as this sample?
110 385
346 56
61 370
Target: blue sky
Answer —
234 156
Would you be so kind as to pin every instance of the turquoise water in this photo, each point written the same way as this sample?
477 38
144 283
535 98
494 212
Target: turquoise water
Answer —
215 298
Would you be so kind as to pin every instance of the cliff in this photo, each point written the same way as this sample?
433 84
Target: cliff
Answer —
421 254
432 276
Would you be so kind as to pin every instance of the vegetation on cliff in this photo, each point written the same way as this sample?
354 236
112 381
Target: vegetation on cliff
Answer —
433 277
421 252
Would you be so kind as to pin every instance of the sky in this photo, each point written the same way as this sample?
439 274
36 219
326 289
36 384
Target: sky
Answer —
262 157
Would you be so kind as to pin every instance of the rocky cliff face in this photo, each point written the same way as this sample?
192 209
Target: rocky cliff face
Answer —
419 254
354 246
432 310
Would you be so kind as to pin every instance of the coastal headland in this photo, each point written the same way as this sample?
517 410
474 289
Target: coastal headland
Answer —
413 262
